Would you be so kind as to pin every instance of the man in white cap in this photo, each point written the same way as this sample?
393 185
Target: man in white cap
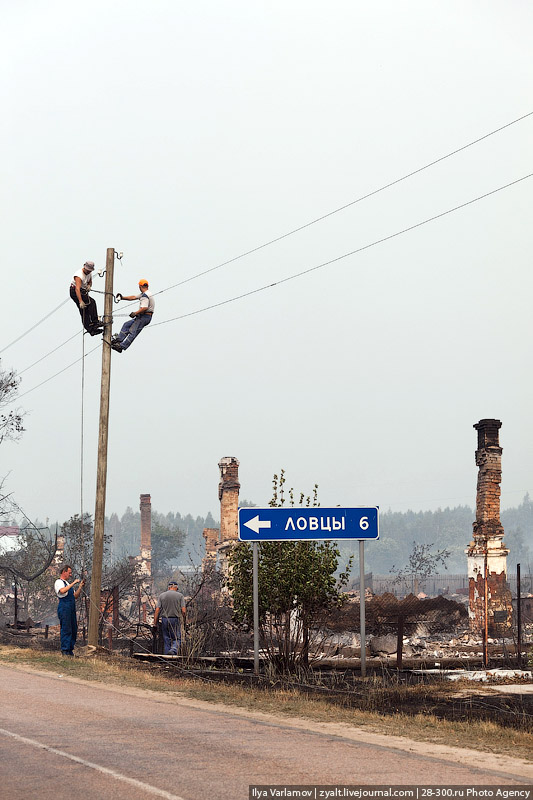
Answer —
82 282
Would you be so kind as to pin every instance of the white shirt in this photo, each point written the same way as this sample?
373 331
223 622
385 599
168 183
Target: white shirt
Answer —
60 584
147 301
86 279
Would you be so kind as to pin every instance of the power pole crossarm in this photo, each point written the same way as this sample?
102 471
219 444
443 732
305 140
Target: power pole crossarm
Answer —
101 477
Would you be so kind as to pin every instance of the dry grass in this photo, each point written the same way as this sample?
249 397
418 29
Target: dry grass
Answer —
425 726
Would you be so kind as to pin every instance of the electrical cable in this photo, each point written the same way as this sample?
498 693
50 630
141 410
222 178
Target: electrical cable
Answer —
306 225
34 326
22 371
57 373
306 271
347 205
345 255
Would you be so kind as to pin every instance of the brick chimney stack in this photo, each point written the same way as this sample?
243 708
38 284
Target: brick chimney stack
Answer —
228 494
146 534
487 550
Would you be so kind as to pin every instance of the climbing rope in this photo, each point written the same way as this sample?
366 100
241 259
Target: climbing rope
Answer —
84 605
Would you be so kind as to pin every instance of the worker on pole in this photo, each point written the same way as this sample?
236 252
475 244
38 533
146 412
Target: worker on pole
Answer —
139 319
80 287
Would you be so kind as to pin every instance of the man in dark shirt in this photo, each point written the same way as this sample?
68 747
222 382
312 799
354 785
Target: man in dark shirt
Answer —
171 609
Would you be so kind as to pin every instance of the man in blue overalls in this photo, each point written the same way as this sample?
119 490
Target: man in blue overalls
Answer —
66 609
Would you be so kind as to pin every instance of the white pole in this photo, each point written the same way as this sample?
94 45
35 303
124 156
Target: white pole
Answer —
362 605
255 570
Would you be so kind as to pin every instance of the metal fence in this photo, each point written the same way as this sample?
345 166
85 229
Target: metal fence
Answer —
445 583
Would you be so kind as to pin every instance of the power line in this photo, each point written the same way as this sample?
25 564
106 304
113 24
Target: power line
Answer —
347 205
309 270
59 346
345 255
289 233
58 373
34 326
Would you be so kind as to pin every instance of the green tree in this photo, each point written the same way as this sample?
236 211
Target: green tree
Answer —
297 588
167 543
423 562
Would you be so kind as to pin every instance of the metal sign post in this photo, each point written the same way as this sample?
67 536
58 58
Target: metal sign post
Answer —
255 571
362 606
307 524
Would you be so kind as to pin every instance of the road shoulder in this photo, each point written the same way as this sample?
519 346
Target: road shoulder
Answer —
493 762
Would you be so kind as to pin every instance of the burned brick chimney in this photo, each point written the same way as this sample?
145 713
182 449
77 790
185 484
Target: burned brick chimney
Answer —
146 535
487 554
228 494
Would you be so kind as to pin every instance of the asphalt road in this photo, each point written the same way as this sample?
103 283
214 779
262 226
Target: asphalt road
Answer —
66 738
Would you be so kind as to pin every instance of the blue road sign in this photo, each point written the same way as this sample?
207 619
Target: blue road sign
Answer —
308 524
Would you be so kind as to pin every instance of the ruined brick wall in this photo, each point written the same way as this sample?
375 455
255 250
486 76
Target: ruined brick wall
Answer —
211 536
487 552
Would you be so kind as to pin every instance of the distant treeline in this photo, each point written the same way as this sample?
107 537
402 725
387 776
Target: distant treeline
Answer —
449 528
125 533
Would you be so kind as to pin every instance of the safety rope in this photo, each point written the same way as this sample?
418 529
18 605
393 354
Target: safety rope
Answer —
97 291
84 605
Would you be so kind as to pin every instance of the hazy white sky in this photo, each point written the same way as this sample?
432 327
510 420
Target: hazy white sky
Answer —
186 134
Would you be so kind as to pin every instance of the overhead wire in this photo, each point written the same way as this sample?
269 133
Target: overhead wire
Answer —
344 255
291 232
285 235
308 270
59 346
22 335
58 373
347 205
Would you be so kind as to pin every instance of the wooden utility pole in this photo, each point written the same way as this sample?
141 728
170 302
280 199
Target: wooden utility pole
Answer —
101 476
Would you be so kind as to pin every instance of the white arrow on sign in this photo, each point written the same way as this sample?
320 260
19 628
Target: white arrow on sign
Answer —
255 524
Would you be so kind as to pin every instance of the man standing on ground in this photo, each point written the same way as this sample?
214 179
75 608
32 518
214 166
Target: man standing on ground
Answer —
66 609
171 609
139 319
82 282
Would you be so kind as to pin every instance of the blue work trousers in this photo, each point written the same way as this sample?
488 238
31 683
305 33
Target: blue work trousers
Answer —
132 328
171 635
66 611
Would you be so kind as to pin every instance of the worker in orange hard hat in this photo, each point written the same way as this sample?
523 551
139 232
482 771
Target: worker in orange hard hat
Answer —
139 319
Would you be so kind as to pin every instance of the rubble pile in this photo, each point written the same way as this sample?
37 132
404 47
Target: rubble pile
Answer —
433 628
382 613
